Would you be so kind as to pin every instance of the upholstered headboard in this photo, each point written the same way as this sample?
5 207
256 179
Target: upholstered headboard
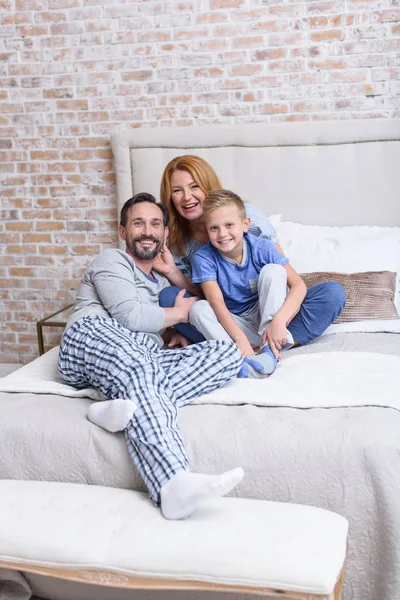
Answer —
325 173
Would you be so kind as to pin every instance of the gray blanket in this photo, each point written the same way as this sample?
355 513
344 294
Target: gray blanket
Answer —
343 459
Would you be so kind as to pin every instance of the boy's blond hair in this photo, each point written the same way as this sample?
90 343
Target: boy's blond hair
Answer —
220 198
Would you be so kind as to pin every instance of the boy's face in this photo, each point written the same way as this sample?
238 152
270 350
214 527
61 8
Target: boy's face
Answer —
225 227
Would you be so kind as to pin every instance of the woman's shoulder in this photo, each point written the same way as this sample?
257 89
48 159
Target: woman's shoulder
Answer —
260 225
251 209
257 217
257 242
205 250
190 247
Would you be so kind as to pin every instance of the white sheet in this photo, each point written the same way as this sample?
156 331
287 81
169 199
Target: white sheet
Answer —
41 376
368 326
325 379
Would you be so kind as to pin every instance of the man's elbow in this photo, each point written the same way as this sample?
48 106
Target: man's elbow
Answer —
142 320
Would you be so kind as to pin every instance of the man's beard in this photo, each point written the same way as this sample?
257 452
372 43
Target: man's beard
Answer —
143 253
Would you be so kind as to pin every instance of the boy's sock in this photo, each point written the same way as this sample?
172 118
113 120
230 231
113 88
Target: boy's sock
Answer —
182 494
267 359
112 415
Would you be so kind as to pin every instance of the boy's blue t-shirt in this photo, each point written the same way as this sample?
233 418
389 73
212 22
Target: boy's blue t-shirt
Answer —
238 283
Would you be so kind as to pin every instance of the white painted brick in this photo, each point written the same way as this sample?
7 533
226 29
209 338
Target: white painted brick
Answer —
73 73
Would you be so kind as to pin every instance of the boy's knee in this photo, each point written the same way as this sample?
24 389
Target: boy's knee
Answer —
273 270
272 273
198 309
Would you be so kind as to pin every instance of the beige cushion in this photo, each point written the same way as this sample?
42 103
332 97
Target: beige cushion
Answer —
229 541
368 295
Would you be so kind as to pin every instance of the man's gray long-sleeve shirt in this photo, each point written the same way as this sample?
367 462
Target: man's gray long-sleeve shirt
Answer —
113 286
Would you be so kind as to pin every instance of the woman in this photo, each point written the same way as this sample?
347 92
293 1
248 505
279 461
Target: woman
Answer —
185 183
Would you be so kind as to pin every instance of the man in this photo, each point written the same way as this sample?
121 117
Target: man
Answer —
112 342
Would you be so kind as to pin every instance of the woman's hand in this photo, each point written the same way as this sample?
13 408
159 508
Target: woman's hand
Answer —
173 339
276 335
164 262
178 341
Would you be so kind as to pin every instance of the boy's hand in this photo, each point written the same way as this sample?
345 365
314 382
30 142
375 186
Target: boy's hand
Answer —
244 346
275 334
185 304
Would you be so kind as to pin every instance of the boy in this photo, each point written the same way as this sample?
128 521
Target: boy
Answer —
244 279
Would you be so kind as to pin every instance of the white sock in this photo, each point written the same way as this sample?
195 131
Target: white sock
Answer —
181 495
112 415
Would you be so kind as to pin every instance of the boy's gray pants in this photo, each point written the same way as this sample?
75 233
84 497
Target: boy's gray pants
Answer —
272 291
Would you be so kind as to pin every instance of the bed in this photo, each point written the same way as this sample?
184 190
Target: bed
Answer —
324 430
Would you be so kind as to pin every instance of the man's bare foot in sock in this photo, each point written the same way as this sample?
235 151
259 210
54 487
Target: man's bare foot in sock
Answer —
185 491
112 415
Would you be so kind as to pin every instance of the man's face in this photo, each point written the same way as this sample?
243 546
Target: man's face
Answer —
144 231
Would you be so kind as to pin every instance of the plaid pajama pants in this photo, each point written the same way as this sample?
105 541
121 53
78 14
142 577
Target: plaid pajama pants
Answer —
102 354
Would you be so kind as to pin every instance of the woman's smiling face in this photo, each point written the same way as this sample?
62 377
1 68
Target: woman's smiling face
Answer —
186 195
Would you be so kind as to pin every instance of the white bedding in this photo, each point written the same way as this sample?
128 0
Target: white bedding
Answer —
314 380
41 376
343 459
319 380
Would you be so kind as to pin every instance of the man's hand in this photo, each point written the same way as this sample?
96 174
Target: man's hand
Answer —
275 334
164 262
185 304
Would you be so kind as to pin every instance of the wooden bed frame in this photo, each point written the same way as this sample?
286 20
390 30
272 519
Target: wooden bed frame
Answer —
128 582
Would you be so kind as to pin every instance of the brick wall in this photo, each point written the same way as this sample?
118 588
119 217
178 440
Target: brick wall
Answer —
73 71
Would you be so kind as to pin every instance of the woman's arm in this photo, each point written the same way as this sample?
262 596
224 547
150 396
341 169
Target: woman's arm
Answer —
176 278
164 263
275 332
213 294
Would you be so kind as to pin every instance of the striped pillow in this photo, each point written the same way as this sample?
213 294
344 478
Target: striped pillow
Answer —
369 295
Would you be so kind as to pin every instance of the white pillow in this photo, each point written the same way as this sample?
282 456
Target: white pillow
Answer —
348 249
370 326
